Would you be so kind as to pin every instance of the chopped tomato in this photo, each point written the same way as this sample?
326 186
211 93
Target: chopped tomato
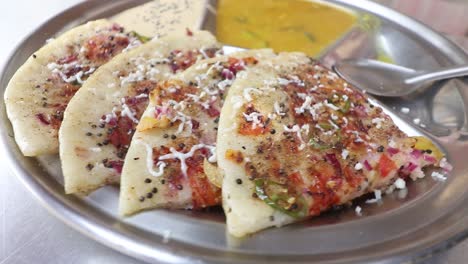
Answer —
323 196
247 129
100 48
204 194
163 92
68 59
325 169
296 179
386 165
235 65
352 178
250 60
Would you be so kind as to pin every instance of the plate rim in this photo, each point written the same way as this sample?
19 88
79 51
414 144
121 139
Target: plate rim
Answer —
119 239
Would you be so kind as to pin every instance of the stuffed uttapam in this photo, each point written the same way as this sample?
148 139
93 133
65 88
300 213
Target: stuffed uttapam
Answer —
101 118
171 162
40 90
302 141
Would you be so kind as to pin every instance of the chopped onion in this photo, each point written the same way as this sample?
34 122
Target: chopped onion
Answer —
227 74
416 154
331 158
429 158
411 166
392 151
367 165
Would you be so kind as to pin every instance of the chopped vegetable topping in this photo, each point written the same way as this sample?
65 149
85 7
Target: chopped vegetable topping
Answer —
70 71
342 144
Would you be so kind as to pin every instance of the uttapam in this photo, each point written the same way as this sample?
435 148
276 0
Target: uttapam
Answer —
38 93
171 162
304 140
101 118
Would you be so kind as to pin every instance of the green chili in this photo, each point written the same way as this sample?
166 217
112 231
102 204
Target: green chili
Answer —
275 199
141 38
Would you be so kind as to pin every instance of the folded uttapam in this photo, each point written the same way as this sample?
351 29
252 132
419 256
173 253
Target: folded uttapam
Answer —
40 90
101 118
295 139
171 162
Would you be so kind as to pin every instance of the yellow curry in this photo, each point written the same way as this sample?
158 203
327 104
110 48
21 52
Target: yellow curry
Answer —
284 25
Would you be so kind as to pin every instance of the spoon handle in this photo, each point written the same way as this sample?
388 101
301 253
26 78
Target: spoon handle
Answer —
447 73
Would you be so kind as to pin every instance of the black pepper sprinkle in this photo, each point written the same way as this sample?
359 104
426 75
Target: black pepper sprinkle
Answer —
380 149
89 134
93 126
293 206
34 56
179 187
99 134
181 145
243 147
147 180
102 125
272 218
173 137
99 144
272 131
238 181
254 195
428 151
165 136
154 190
163 181
137 158
142 198
149 195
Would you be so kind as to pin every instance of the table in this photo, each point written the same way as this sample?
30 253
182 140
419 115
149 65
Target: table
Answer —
28 233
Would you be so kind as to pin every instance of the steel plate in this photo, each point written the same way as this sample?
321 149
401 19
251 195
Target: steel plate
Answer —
407 225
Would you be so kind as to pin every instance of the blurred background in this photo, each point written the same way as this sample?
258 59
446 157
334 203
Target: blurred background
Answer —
449 17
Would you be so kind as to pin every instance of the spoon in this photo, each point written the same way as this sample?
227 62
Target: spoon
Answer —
385 79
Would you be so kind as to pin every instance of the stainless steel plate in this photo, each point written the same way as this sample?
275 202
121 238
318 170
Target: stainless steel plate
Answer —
430 216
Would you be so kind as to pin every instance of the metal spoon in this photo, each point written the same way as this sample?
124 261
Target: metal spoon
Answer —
391 80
